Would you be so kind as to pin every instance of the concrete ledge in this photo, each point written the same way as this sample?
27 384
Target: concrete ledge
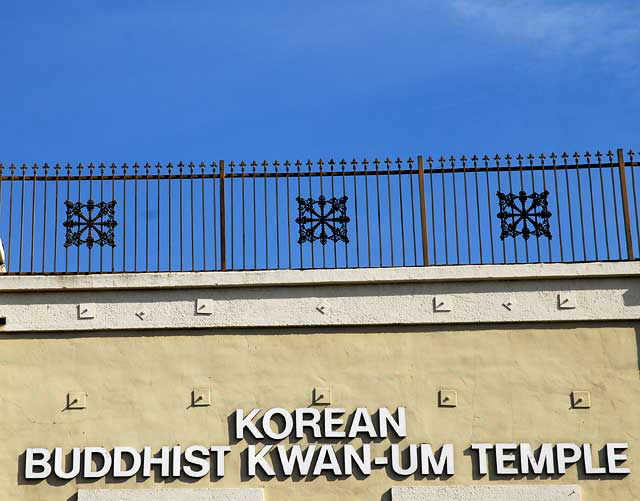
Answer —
467 273
171 495
487 493
400 296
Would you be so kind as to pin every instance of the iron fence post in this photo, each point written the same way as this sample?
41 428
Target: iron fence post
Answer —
625 204
423 211
223 239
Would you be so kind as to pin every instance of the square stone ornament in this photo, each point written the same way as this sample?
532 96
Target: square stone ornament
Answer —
171 494
580 399
76 400
447 398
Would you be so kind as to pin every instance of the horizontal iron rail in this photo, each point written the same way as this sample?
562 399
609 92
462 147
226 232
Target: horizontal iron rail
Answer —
315 173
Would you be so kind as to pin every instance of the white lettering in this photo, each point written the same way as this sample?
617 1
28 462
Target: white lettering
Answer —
312 421
294 458
327 460
331 421
587 457
431 465
288 423
386 420
396 460
247 422
502 458
37 458
58 456
613 457
88 462
117 462
544 464
219 451
565 459
259 460
362 462
148 460
482 456
200 460
362 423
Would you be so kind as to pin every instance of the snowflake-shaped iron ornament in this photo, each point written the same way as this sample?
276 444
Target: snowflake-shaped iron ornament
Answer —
329 215
518 212
81 220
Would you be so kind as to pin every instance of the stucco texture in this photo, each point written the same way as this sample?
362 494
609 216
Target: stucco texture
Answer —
513 384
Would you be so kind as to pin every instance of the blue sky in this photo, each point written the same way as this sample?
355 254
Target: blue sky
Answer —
200 80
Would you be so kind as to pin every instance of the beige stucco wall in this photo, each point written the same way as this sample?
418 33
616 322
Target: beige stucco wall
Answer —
513 382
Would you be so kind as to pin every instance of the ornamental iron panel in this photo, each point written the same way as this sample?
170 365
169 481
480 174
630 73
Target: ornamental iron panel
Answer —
519 212
81 223
323 219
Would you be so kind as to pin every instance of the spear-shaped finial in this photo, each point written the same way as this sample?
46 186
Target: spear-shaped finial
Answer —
610 155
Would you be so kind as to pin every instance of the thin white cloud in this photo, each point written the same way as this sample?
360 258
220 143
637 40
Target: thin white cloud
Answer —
608 28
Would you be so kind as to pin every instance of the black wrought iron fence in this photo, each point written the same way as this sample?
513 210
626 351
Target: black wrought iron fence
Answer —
319 214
